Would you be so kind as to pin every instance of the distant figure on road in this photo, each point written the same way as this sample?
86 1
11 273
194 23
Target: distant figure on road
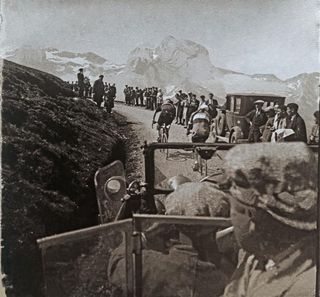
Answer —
98 91
296 123
256 118
167 115
81 82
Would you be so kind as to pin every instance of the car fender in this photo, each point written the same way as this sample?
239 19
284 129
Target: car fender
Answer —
238 131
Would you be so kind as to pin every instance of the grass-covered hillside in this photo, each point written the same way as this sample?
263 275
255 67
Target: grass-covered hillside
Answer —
52 146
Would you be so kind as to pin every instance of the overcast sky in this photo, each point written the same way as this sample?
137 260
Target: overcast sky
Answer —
251 36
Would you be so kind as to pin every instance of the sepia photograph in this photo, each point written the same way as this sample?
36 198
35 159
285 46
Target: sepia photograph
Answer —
160 148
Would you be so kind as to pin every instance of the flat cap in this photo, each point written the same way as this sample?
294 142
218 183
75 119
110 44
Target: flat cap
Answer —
280 178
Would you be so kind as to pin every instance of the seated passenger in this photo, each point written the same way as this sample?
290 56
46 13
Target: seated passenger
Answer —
274 214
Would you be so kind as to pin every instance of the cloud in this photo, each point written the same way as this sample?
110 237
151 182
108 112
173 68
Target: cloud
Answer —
246 35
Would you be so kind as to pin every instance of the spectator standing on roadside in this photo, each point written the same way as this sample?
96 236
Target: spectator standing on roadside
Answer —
193 105
81 82
213 104
314 136
148 98
267 130
178 105
98 90
159 98
141 97
296 123
137 93
256 118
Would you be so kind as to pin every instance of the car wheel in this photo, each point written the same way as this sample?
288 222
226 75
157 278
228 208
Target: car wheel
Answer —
234 138
213 133
214 136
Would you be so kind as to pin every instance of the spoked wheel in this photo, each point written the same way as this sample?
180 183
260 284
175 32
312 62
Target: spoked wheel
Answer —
164 139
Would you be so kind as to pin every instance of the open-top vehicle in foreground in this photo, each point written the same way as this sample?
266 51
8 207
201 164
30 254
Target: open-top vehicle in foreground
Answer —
145 241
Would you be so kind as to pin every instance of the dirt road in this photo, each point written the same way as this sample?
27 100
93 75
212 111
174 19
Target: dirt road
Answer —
177 161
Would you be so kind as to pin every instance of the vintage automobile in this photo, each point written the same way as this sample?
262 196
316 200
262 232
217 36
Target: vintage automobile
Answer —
137 248
230 125
77 263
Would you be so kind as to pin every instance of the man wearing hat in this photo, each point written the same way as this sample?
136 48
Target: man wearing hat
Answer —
192 106
213 104
256 118
296 123
98 90
81 84
273 200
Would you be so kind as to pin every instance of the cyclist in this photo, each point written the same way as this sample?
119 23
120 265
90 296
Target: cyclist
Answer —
200 125
167 115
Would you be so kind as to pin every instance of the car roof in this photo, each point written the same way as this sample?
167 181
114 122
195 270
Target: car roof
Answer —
254 95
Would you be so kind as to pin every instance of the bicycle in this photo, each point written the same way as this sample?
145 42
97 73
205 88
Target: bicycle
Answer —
204 153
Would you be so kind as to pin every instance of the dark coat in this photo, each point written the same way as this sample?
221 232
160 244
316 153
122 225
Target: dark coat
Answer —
299 127
98 88
80 79
257 120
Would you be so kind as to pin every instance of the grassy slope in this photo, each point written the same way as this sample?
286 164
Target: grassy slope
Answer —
52 146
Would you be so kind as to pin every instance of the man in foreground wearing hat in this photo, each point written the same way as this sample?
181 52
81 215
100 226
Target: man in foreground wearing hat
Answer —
81 83
274 214
98 90
256 118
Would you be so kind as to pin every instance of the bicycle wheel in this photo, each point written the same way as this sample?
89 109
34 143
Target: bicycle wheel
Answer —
165 140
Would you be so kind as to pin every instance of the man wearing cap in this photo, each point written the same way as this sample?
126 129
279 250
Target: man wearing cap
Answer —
192 106
213 104
256 118
296 123
98 90
273 201
81 84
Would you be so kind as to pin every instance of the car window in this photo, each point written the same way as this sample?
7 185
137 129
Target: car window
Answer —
237 105
232 104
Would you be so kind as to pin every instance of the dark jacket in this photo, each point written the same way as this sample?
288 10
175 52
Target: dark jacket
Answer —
98 88
80 79
257 120
299 127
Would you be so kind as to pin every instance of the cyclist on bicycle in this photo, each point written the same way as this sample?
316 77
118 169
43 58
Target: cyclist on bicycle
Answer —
167 115
200 125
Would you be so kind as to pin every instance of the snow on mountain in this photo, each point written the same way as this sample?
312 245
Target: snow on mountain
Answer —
64 64
174 64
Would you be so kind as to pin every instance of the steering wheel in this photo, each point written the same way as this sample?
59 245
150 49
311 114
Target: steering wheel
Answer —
134 188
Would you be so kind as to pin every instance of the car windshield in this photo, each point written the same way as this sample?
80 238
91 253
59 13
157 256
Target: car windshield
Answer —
178 164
